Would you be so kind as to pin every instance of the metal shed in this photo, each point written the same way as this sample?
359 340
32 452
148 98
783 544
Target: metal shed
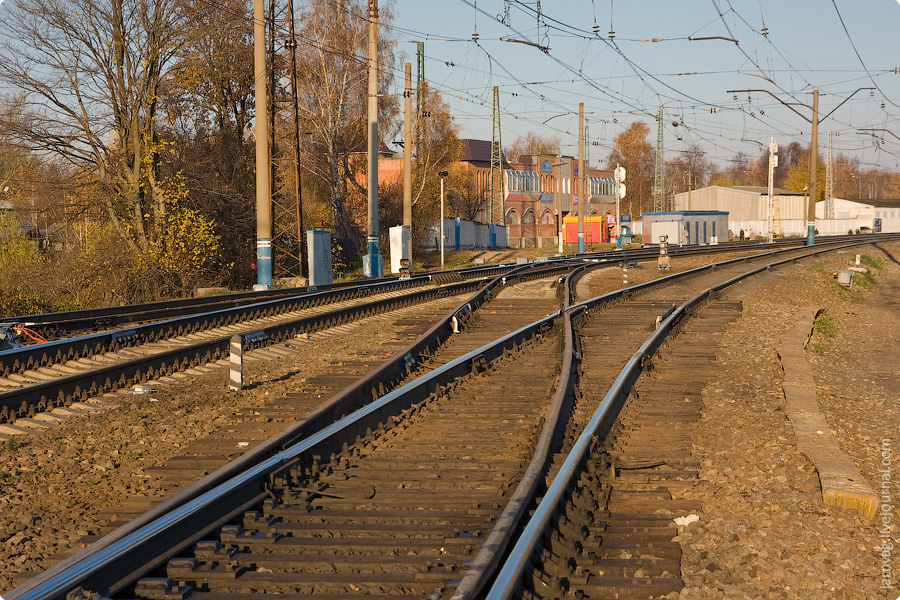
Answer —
685 227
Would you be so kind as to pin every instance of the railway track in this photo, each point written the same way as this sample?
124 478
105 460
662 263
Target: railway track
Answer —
89 325
351 497
50 382
514 306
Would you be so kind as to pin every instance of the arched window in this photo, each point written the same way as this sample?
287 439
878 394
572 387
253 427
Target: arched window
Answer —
546 218
528 219
512 218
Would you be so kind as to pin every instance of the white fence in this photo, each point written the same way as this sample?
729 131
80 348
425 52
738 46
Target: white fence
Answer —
462 234
794 227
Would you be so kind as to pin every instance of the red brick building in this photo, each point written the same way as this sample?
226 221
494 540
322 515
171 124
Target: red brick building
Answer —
535 190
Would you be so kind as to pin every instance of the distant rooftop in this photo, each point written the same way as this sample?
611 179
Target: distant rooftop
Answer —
877 202
478 151
761 189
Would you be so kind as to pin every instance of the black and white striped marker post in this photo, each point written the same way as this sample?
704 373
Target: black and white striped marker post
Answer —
624 273
237 362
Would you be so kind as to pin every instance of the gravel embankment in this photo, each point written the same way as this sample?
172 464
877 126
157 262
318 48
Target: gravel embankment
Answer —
764 531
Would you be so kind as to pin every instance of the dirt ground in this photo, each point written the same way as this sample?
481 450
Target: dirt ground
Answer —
764 531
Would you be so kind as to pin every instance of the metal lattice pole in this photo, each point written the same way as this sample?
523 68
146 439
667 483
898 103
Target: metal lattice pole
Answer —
829 183
496 162
659 184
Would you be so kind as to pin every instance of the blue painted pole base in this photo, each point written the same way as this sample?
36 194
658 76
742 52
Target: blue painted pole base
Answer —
580 242
810 235
373 266
263 264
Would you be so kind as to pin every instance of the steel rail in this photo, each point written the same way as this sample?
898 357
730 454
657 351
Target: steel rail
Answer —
114 315
28 591
113 567
168 309
485 563
509 578
63 391
119 315
355 396
27 357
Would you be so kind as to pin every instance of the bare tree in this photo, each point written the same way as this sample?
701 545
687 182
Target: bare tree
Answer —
332 82
532 143
89 74
633 151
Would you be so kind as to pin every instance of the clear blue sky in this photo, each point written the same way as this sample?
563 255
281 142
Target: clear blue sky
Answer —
804 46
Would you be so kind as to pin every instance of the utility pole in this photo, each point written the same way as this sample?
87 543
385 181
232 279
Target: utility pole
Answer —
659 191
690 183
586 176
301 241
773 162
813 151
442 174
372 264
263 182
829 181
557 196
496 162
582 203
420 89
407 157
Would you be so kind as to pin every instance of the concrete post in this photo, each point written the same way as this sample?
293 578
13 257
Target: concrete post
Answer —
263 186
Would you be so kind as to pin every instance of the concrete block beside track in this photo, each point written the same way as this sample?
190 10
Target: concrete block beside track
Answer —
842 484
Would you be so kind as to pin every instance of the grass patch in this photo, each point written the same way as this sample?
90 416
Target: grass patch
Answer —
826 326
871 262
13 443
864 280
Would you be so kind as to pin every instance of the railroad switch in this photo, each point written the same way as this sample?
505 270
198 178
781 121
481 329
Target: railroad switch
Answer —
8 337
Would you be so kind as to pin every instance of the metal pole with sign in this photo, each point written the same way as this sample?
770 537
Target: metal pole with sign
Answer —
620 193
442 174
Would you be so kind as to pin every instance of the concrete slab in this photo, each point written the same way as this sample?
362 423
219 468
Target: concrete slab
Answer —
68 411
84 406
9 429
842 484
32 424
50 418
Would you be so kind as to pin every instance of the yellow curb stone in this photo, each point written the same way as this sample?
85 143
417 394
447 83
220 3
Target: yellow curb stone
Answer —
842 485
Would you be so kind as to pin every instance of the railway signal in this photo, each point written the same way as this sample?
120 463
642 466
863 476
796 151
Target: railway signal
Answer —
620 193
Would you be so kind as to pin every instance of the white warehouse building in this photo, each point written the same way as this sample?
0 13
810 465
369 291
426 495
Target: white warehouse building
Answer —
877 215
748 207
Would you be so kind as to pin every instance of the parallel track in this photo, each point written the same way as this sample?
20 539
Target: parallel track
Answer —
294 504
25 392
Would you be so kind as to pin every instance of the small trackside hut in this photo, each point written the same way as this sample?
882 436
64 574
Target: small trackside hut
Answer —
689 227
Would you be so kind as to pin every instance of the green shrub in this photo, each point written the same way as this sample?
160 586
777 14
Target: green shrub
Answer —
825 325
